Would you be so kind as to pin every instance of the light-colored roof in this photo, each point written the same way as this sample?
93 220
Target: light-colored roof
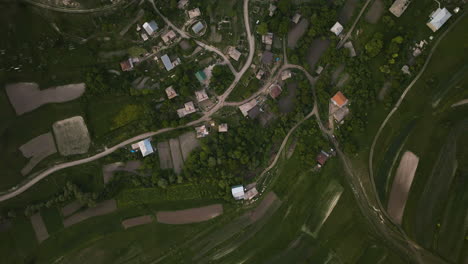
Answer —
188 108
272 9
296 18
223 127
182 3
286 74
150 27
194 12
144 36
171 93
319 70
170 35
438 18
167 62
339 99
267 38
251 194
234 53
145 147
202 131
238 192
260 74
245 108
197 27
337 28
398 7
201 95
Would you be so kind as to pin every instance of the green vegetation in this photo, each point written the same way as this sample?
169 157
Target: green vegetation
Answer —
221 79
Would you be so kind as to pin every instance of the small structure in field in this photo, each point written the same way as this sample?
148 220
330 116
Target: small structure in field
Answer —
168 64
201 76
322 158
245 108
250 194
126 65
286 74
198 27
267 39
438 18
169 36
234 53
295 19
275 91
194 13
398 7
201 95
405 69
223 128
337 28
170 92
150 27
189 108
260 74
144 36
144 146
238 192
202 131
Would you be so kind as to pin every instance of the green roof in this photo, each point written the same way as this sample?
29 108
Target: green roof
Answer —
201 76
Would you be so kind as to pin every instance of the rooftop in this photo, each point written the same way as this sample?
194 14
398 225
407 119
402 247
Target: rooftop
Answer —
295 19
201 95
250 194
150 27
170 92
267 38
234 53
168 36
223 127
167 62
286 74
341 113
189 108
438 18
339 99
145 147
197 27
202 131
275 91
337 28
126 65
245 108
238 192
194 12
260 74
398 7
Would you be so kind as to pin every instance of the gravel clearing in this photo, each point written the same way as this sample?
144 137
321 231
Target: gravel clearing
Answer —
136 221
39 227
26 97
164 153
37 149
401 186
102 208
72 136
188 216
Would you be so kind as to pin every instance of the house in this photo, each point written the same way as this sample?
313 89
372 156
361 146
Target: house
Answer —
275 91
438 18
197 28
169 36
260 74
398 7
201 95
295 19
194 13
319 70
144 36
201 76
126 65
168 64
245 108
223 128
267 57
202 131
234 53
250 194
189 108
238 192
339 99
339 108
145 147
337 28
286 74
182 4
267 39
322 158
405 69
170 92
272 8
150 27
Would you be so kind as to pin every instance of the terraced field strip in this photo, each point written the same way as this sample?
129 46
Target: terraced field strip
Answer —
188 216
101 208
164 153
176 154
71 208
136 221
39 227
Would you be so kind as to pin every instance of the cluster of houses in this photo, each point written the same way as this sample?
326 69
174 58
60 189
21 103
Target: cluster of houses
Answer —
204 130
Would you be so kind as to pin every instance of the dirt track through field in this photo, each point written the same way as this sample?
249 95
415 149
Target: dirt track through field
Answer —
101 208
188 216
37 149
39 227
401 186
136 221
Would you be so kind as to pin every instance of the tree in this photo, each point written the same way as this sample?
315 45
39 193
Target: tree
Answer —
162 183
374 46
262 28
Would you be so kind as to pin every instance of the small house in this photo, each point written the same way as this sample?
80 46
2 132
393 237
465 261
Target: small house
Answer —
150 27
339 99
223 128
238 192
438 18
234 53
267 39
170 92
127 65
296 18
286 74
275 91
182 4
168 36
271 9
168 64
260 74
188 108
201 95
202 131
194 13
250 194
144 36
245 108
144 146
398 7
337 28
198 27
322 158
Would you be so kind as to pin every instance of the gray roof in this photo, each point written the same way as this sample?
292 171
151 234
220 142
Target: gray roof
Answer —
167 62
197 27
438 18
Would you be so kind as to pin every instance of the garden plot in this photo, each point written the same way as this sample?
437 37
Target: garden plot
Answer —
164 153
136 221
194 215
72 136
37 149
316 49
39 227
297 32
176 155
188 142
286 103
347 11
375 12
109 169
101 208
71 208
401 186
26 97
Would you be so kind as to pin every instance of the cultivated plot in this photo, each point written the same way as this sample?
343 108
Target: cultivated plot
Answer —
176 155
39 227
136 221
188 142
72 136
71 208
193 215
297 32
164 153
37 149
101 208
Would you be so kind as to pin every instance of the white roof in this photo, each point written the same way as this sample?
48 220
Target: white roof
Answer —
150 27
238 192
337 28
234 53
167 62
438 18
296 18
145 147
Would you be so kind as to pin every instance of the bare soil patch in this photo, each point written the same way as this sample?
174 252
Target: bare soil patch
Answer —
72 136
187 216
263 207
317 48
297 32
136 221
401 186
384 91
375 12
188 142
101 208
39 227
185 45
109 169
37 149
71 208
176 154
286 103
164 152
26 97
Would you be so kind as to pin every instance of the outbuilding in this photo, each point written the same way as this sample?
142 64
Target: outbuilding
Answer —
238 192
150 27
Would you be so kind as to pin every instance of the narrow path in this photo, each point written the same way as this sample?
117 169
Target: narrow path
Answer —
350 31
78 11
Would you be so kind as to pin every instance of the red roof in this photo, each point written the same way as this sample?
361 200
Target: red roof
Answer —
321 159
339 99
